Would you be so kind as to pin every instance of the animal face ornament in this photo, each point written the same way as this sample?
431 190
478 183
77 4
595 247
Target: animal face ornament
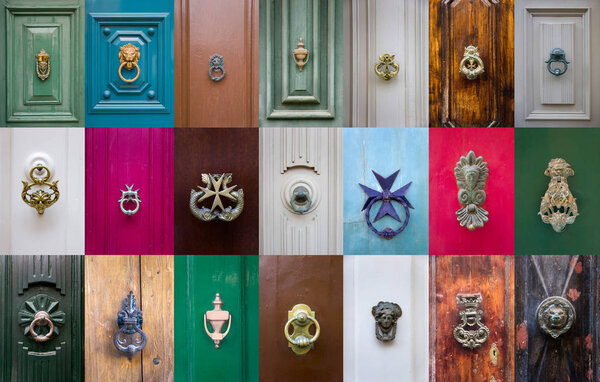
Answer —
129 55
386 315
558 207
471 173
555 316
36 197
217 187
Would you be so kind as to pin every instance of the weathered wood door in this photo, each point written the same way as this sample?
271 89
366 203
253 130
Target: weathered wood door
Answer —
473 98
480 289
31 286
286 281
369 280
556 318
198 280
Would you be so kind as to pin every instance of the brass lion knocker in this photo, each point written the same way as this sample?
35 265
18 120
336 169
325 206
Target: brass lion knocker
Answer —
42 65
40 199
471 65
129 55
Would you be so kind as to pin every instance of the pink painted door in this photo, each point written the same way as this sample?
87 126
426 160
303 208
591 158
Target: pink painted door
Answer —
136 158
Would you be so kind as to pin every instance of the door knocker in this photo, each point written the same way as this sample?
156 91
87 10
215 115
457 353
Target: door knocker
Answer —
557 55
129 320
40 199
216 186
301 55
129 196
558 206
386 315
471 65
301 318
42 65
386 68
41 317
555 316
216 64
470 173
386 196
129 55
300 200
470 317
217 319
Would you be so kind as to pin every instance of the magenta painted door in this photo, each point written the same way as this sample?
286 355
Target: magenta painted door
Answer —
118 159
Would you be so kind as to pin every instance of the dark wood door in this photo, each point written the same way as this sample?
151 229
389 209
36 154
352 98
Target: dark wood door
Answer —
284 282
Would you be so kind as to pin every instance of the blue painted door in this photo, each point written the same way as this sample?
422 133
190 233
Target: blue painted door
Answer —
129 88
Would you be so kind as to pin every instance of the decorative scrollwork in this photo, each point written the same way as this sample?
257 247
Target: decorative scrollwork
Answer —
555 316
216 186
40 199
558 207
216 64
129 320
386 316
470 318
41 317
129 55
557 55
386 68
129 196
42 65
471 65
471 173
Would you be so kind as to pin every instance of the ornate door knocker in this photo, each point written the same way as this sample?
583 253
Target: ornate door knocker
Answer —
129 55
386 315
129 320
470 173
557 55
471 65
129 196
41 317
386 196
476 332
301 318
40 199
386 68
558 207
217 319
216 186
216 64
301 55
42 65
555 316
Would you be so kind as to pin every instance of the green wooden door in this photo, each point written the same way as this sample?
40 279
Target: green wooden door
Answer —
197 280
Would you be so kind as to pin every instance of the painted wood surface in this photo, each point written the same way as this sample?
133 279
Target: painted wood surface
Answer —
117 158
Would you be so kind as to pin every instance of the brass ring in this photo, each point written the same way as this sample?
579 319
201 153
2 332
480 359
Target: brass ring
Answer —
41 319
121 68
308 317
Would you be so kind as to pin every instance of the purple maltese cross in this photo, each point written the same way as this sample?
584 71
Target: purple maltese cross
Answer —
386 196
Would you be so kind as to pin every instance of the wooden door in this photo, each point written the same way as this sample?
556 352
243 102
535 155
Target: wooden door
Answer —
482 289
487 99
109 279
59 229
565 98
546 288
30 286
198 280
400 280
44 63
295 162
203 30
286 281
117 160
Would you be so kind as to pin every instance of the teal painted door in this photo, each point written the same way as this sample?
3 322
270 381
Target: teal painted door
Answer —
197 281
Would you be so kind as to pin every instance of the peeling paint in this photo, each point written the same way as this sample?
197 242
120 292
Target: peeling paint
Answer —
579 267
522 336
573 294
588 342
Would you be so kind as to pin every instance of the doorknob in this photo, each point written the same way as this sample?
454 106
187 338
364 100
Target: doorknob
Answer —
301 55
38 198
557 55
42 65
471 173
558 207
471 65
301 318
386 315
216 64
129 55
555 316
476 332
300 200
386 68
216 187
217 319
129 320
129 196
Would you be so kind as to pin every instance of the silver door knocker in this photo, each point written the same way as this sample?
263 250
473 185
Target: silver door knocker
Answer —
471 332
217 319
130 338
557 55
470 173
558 207
216 187
386 315
129 196
216 64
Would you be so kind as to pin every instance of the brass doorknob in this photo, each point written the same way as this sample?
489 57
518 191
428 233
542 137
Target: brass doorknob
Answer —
301 317
40 199
301 55
41 318
471 65
129 55
217 319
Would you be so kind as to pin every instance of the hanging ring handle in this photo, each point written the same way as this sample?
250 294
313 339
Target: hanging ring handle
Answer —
41 318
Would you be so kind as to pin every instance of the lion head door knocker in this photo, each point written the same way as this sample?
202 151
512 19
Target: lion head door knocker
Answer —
301 55
386 315
470 333
41 317
129 55
217 319
557 55
32 193
216 186
42 65
471 64
216 64
555 316
386 68
301 318
471 173
558 207
130 338
129 196
386 196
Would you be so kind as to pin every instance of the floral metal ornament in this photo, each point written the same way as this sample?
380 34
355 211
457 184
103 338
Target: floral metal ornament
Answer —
387 208
35 197
555 316
386 315
471 65
129 196
471 173
386 68
129 320
558 207
41 317
216 64
217 187
42 65
470 333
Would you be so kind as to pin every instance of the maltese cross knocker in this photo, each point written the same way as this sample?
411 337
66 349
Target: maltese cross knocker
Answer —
129 196
471 65
216 187
38 198
387 208
558 207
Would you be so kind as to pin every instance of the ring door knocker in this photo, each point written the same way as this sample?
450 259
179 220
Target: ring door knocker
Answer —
475 333
42 65
301 318
216 186
129 196
471 173
557 55
386 68
558 207
301 55
300 200
38 198
41 317
386 315
216 64
129 55
555 316
217 318
386 196
129 320
471 65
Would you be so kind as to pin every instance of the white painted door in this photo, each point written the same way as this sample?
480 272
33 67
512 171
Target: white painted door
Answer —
60 229
570 99
400 28
399 279
296 162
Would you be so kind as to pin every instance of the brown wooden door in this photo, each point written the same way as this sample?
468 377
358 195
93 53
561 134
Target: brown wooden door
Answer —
573 354
316 281
492 278
456 100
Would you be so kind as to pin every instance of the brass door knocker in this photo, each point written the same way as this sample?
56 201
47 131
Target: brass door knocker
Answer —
216 186
558 207
216 64
471 65
301 55
386 68
470 333
40 199
129 196
129 55
557 55
555 316
386 315
129 320
42 65
41 317
217 319
470 173
301 318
